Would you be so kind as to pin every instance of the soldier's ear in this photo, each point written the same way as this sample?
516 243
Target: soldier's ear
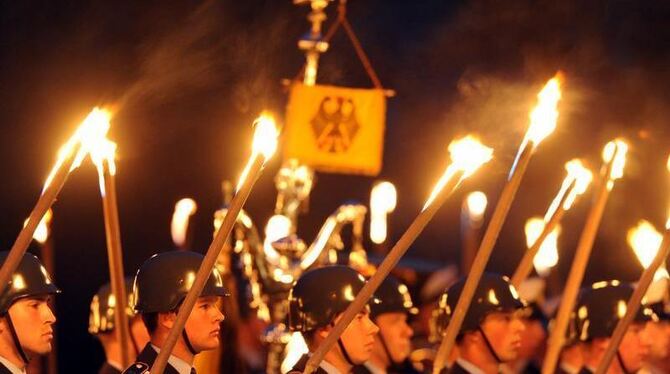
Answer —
166 320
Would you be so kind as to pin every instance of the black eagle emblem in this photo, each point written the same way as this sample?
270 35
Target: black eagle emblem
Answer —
335 125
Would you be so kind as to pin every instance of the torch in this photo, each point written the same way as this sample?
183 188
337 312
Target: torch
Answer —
102 152
467 155
69 158
179 227
264 146
651 249
542 123
472 216
383 198
574 184
614 157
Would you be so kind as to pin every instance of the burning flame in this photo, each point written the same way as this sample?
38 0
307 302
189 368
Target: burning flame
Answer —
645 241
92 129
41 233
543 117
547 257
264 142
615 152
476 203
183 210
383 198
574 184
467 155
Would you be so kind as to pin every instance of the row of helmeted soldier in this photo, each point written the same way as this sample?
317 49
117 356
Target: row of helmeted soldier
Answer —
498 333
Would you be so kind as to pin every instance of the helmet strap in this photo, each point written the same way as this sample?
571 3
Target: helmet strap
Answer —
620 360
15 337
344 352
188 342
489 345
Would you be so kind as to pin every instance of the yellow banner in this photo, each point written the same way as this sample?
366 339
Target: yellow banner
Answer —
335 129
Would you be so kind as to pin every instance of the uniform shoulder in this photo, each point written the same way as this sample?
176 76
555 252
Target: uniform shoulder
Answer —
137 368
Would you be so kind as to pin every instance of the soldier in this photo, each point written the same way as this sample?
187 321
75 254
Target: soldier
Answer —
161 285
26 320
599 309
392 343
101 325
316 303
658 361
491 331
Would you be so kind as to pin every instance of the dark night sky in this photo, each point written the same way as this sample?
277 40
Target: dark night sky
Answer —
194 75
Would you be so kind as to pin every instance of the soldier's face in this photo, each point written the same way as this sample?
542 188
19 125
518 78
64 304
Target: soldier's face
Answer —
634 346
504 331
204 323
359 337
33 319
395 331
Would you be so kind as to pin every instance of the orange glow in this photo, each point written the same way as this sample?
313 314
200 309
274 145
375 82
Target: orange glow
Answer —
264 142
476 202
575 183
547 257
645 241
467 155
615 152
95 126
42 231
545 114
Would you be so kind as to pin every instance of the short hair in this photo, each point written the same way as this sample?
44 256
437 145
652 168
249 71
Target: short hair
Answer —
150 321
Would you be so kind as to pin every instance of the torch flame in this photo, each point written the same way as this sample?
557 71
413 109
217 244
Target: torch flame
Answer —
278 227
264 142
183 210
93 128
547 257
476 202
467 155
575 183
41 233
383 199
543 117
265 135
667 223
645 241
615 152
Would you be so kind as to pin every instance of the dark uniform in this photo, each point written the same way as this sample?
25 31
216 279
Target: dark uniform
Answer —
146 359
34 281
299 367
160 286
598 312
493 294
106 368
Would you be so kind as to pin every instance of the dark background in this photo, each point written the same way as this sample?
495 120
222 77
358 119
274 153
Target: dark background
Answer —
189 77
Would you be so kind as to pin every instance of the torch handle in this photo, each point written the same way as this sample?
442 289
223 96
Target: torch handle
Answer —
382 272
526 265
43 204
582 254
256 165
634 303
482 257
115 258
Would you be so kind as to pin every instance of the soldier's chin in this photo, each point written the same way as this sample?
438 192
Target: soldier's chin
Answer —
212 343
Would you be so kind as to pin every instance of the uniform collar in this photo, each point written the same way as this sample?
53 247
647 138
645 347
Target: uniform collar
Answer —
115 365
329 368
11 367
372 368
180 365
469 366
